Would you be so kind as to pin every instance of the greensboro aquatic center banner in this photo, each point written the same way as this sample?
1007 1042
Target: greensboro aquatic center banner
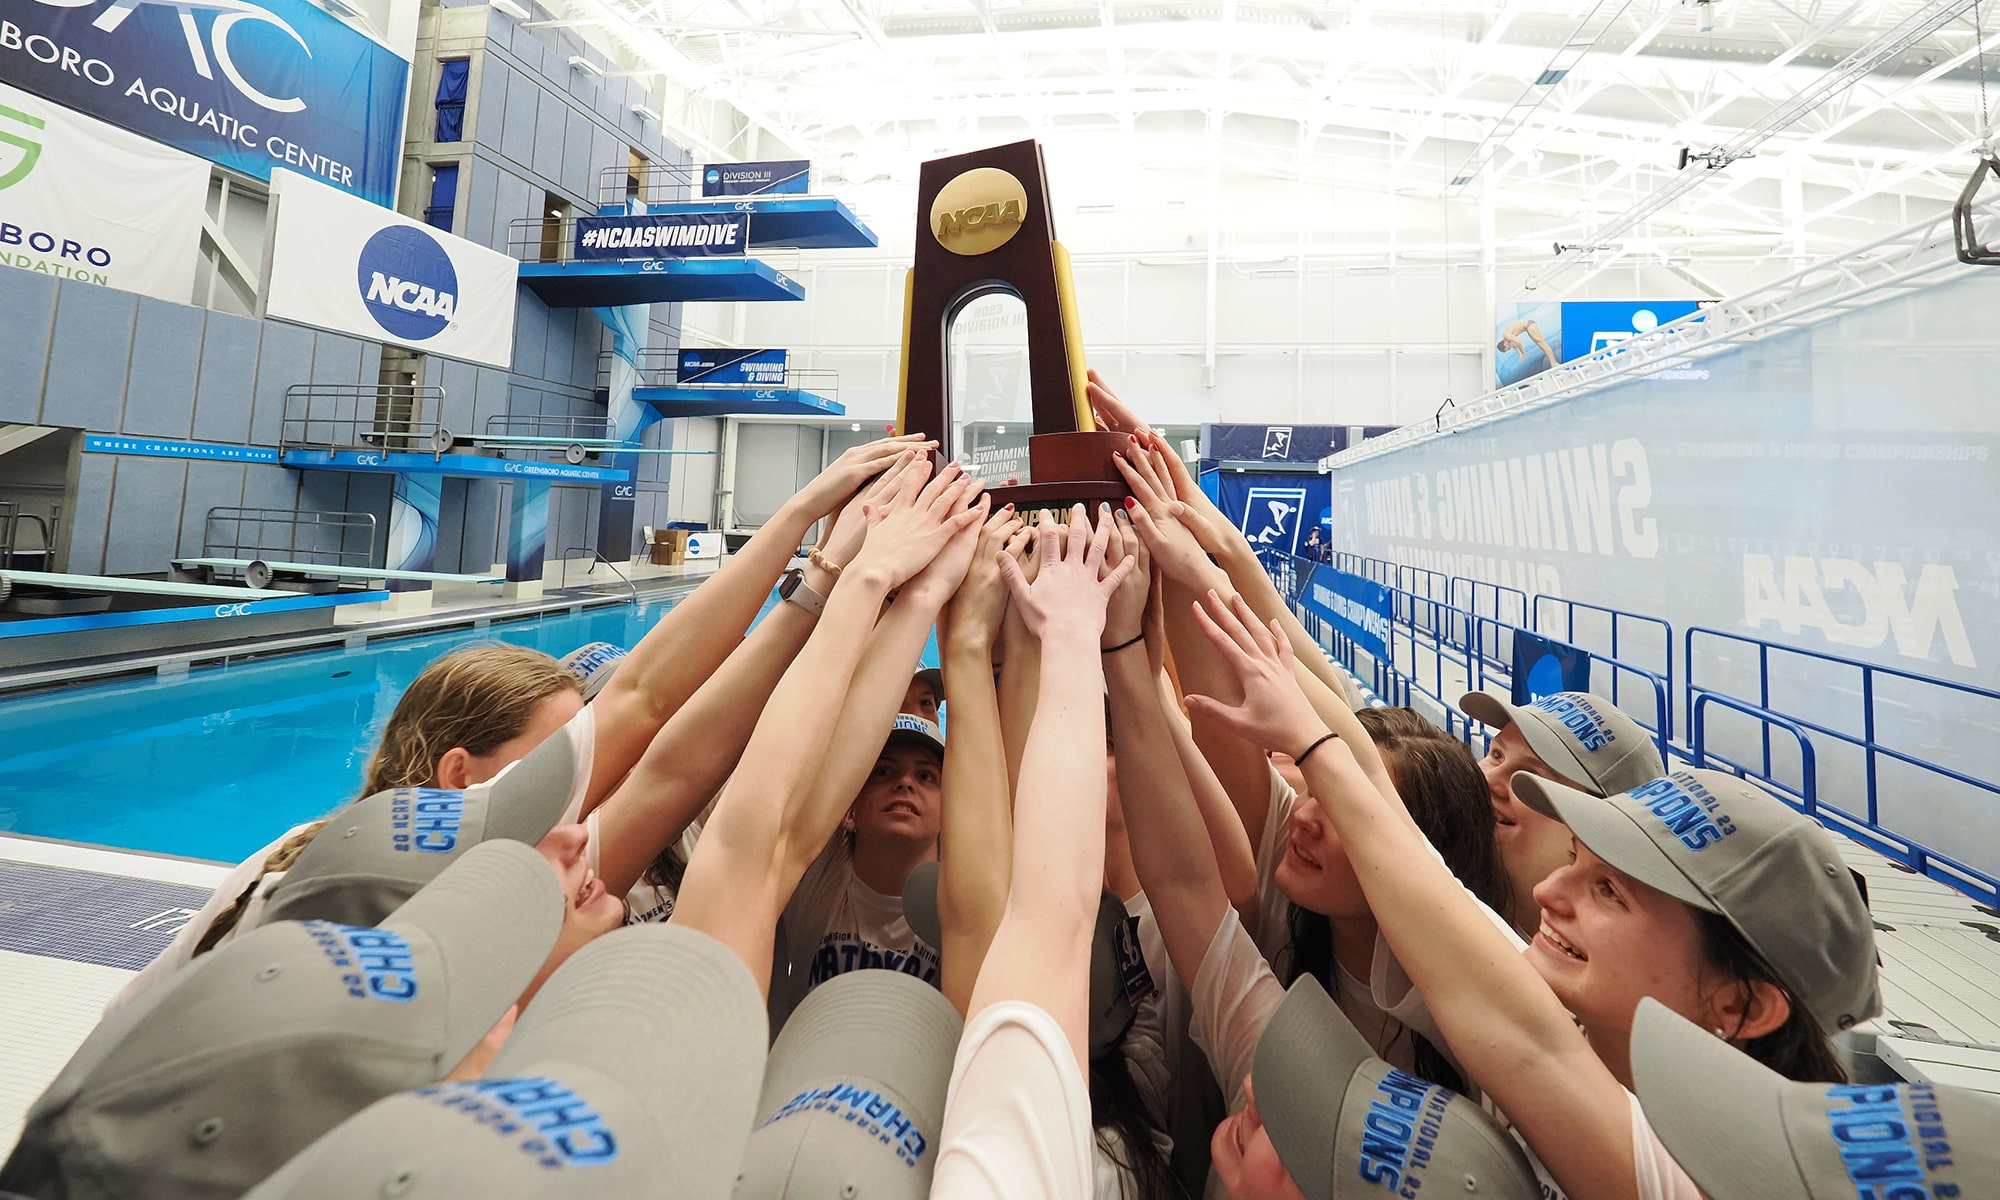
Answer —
252 85
80 199
343 264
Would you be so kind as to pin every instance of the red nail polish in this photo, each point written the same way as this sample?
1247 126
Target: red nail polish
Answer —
1130 503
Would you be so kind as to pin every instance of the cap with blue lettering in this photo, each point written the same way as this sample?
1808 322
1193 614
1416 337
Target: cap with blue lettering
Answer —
853 1099
1347 1124
1743 1132
1726 846
206 1085
633 1072
1581 737
375 853
593 664
916 731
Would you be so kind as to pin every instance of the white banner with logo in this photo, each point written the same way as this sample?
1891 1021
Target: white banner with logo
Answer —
80 199
344 264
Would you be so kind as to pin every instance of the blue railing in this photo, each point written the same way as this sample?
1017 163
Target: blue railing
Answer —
1626 637
1879 732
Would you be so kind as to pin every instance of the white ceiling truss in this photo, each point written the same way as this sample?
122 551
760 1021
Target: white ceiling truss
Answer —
1572 112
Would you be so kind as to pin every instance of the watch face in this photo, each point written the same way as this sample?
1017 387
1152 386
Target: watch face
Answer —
789 583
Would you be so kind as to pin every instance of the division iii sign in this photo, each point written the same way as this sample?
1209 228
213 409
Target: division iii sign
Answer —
250 84
342 264
81 200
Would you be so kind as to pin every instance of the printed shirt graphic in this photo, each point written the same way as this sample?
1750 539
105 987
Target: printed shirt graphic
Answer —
835 924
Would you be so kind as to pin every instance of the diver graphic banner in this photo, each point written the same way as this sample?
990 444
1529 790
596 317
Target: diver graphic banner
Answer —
251 85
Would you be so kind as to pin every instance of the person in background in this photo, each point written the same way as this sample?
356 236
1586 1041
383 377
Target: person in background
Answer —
1573 738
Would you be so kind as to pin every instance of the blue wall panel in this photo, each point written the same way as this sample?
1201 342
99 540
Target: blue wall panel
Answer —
488 117
209 485
228 379
336 359
270 487
93 509
166 352
550 123
284 358
578 177
145 515
485 511
27 315
87 356
517 131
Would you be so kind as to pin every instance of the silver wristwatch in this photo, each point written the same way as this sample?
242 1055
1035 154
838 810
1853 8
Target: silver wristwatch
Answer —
792 586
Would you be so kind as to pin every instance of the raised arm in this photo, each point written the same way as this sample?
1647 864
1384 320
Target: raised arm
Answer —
702 743
1041 951
686 645
1507 1028
1020 668
975 849
746 865
1172 847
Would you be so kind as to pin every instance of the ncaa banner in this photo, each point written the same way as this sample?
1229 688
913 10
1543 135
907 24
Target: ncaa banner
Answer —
342 264
789 177
1358 608
747 368
82 200
1544 666
661 235
252 85
1272 443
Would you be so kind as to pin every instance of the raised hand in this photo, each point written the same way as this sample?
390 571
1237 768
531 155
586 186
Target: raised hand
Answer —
1275 713
845 475
976 611
1066 601
936 582
1185 489
1110 412
1125 615
913 520
843 541
1151 507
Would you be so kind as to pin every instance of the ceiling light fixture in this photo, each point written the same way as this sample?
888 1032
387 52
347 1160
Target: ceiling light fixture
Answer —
585 65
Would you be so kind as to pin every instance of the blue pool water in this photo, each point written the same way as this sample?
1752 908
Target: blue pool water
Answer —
218 762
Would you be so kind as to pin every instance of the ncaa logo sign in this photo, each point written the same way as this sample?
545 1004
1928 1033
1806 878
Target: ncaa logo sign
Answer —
407 283
713 176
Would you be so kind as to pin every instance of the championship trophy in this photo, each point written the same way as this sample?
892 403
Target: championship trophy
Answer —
985 228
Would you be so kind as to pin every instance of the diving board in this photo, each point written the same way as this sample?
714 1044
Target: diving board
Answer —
258 572
119 585
658 281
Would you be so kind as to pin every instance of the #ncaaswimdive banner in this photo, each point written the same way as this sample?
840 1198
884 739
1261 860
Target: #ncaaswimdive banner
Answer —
252 85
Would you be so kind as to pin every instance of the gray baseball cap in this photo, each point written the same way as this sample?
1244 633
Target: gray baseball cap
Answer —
208 1085
1743 1132
378 851
1583 738
593 664
1120 981
915 731
1724 845
853 1099
1347 1124
632 1073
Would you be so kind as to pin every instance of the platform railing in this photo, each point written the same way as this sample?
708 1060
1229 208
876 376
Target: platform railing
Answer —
289 535
1651 707
552 425
1869 749
659 366
365 416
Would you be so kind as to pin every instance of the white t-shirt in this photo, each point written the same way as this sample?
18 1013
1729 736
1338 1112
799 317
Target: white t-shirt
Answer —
580 729
1017 1116
1274 929
1660 1177
835 924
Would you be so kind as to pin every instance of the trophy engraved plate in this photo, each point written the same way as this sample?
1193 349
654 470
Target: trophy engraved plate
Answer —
986 228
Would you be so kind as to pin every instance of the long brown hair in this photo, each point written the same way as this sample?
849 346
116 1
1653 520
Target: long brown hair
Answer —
1440 784
478 697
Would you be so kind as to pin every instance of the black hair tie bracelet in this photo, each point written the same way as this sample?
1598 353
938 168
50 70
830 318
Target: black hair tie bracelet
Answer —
1301 759
1123 645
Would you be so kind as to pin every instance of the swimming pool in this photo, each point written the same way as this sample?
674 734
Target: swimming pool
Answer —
216 763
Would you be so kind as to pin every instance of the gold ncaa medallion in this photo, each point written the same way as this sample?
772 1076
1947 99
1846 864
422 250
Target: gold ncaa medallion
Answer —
979 212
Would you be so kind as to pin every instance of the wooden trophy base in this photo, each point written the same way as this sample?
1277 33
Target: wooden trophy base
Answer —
1069 468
